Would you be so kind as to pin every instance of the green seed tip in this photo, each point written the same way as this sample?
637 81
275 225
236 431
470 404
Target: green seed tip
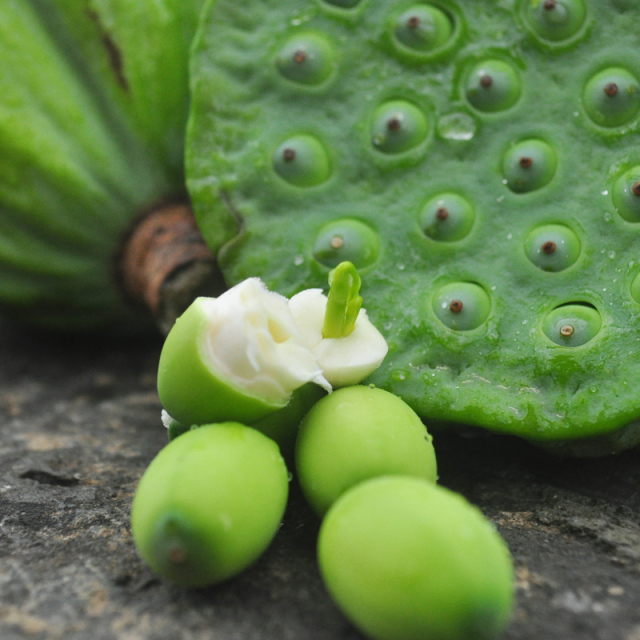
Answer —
344 301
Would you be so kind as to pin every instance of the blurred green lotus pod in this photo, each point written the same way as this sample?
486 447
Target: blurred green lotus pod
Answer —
236 357
93 107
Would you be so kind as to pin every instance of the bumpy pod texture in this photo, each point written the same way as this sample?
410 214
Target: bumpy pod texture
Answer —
438 158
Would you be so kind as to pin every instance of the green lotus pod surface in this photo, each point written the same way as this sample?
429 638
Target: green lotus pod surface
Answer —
93 106
483 183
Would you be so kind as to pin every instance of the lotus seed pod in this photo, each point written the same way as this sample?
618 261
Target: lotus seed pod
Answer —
209 504
398 126
236 357
612 97
406 559
572 325
493 85
94 103
423 27
529 165
555 20
552 247
544 160
447 217
357 433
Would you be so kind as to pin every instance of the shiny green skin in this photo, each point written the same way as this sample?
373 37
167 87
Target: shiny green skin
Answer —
504 375
408 560
190 389
281 425
357 433
209 504
93 106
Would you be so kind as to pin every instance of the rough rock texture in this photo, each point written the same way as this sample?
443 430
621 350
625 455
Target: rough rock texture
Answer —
79 422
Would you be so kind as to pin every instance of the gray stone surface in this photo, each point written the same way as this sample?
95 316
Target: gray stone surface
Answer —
79 422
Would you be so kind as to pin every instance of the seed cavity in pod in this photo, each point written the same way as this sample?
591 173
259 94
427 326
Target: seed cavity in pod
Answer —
423 28
398 126
555 20
462 306
529 165
306 58
447 217
611 97
626 195
492 85
349 240
552 247
573 324
302 161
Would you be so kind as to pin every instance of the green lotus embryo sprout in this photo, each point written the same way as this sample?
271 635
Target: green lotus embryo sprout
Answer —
345 343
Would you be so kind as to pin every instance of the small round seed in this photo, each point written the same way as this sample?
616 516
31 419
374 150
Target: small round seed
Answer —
456 306
567 330
549 247
611 89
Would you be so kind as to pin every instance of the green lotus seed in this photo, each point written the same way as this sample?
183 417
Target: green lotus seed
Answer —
626 195
635 288
462 306
306 58
611 97
447 217
357 433
406 559
346 240
398 126
209 504
529 165
493 85
302 161
555 20
552 247
423 28
572 325
282 426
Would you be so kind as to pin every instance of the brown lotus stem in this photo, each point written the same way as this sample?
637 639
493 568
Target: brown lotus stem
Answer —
165 264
